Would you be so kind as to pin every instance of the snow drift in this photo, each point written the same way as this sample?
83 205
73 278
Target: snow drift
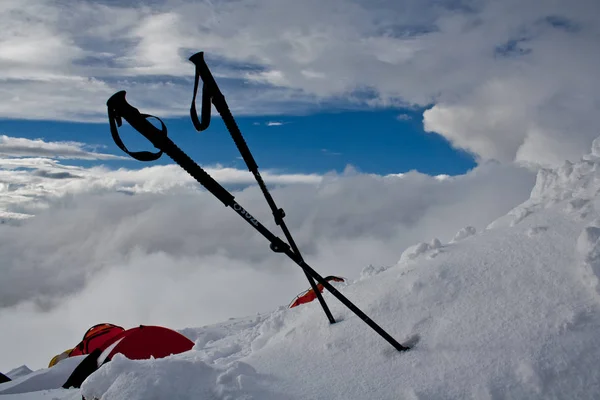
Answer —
510 312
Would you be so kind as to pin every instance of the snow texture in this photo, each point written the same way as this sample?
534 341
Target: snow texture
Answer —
511 313
588 246
464 233
370 271
421 249
43 379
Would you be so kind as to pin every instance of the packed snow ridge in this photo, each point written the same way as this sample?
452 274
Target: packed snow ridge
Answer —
510 312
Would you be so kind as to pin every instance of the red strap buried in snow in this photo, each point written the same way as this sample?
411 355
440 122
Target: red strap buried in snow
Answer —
310 295
305 298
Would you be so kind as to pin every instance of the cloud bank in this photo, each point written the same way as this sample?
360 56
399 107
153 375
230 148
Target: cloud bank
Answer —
151 247
30 185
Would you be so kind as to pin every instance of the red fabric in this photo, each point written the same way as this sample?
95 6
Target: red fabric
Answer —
138 343
97 339
306 298
150 341
310 294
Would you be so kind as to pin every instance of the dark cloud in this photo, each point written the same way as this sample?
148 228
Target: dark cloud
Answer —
55 175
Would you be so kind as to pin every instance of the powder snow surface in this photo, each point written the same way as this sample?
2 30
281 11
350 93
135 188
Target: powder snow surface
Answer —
511 312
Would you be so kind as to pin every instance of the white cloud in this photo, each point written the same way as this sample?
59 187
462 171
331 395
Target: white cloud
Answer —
274 123
500 74
330 153
30 184
22 147
169 254
35 181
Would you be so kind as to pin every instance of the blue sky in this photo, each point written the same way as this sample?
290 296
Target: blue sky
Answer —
380 142
496 83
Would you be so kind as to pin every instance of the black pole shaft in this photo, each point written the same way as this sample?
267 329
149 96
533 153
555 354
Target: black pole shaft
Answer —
217 98
175 153
223 109
119 108
312 273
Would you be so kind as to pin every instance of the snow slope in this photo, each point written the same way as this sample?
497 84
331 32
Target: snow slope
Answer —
512 312
19 372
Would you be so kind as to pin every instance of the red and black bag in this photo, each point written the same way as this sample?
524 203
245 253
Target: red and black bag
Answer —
101 343
96 337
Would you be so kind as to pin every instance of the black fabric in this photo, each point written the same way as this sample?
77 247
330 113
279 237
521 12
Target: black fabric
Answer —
4 378
209 88
85 368
206 105
115 121
119 109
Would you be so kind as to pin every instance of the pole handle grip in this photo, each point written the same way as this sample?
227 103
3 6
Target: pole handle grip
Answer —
119 109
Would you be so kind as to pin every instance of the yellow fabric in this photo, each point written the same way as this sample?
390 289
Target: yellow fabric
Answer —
59 357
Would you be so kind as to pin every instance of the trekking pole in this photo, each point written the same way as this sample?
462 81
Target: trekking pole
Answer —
212 94
119 109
